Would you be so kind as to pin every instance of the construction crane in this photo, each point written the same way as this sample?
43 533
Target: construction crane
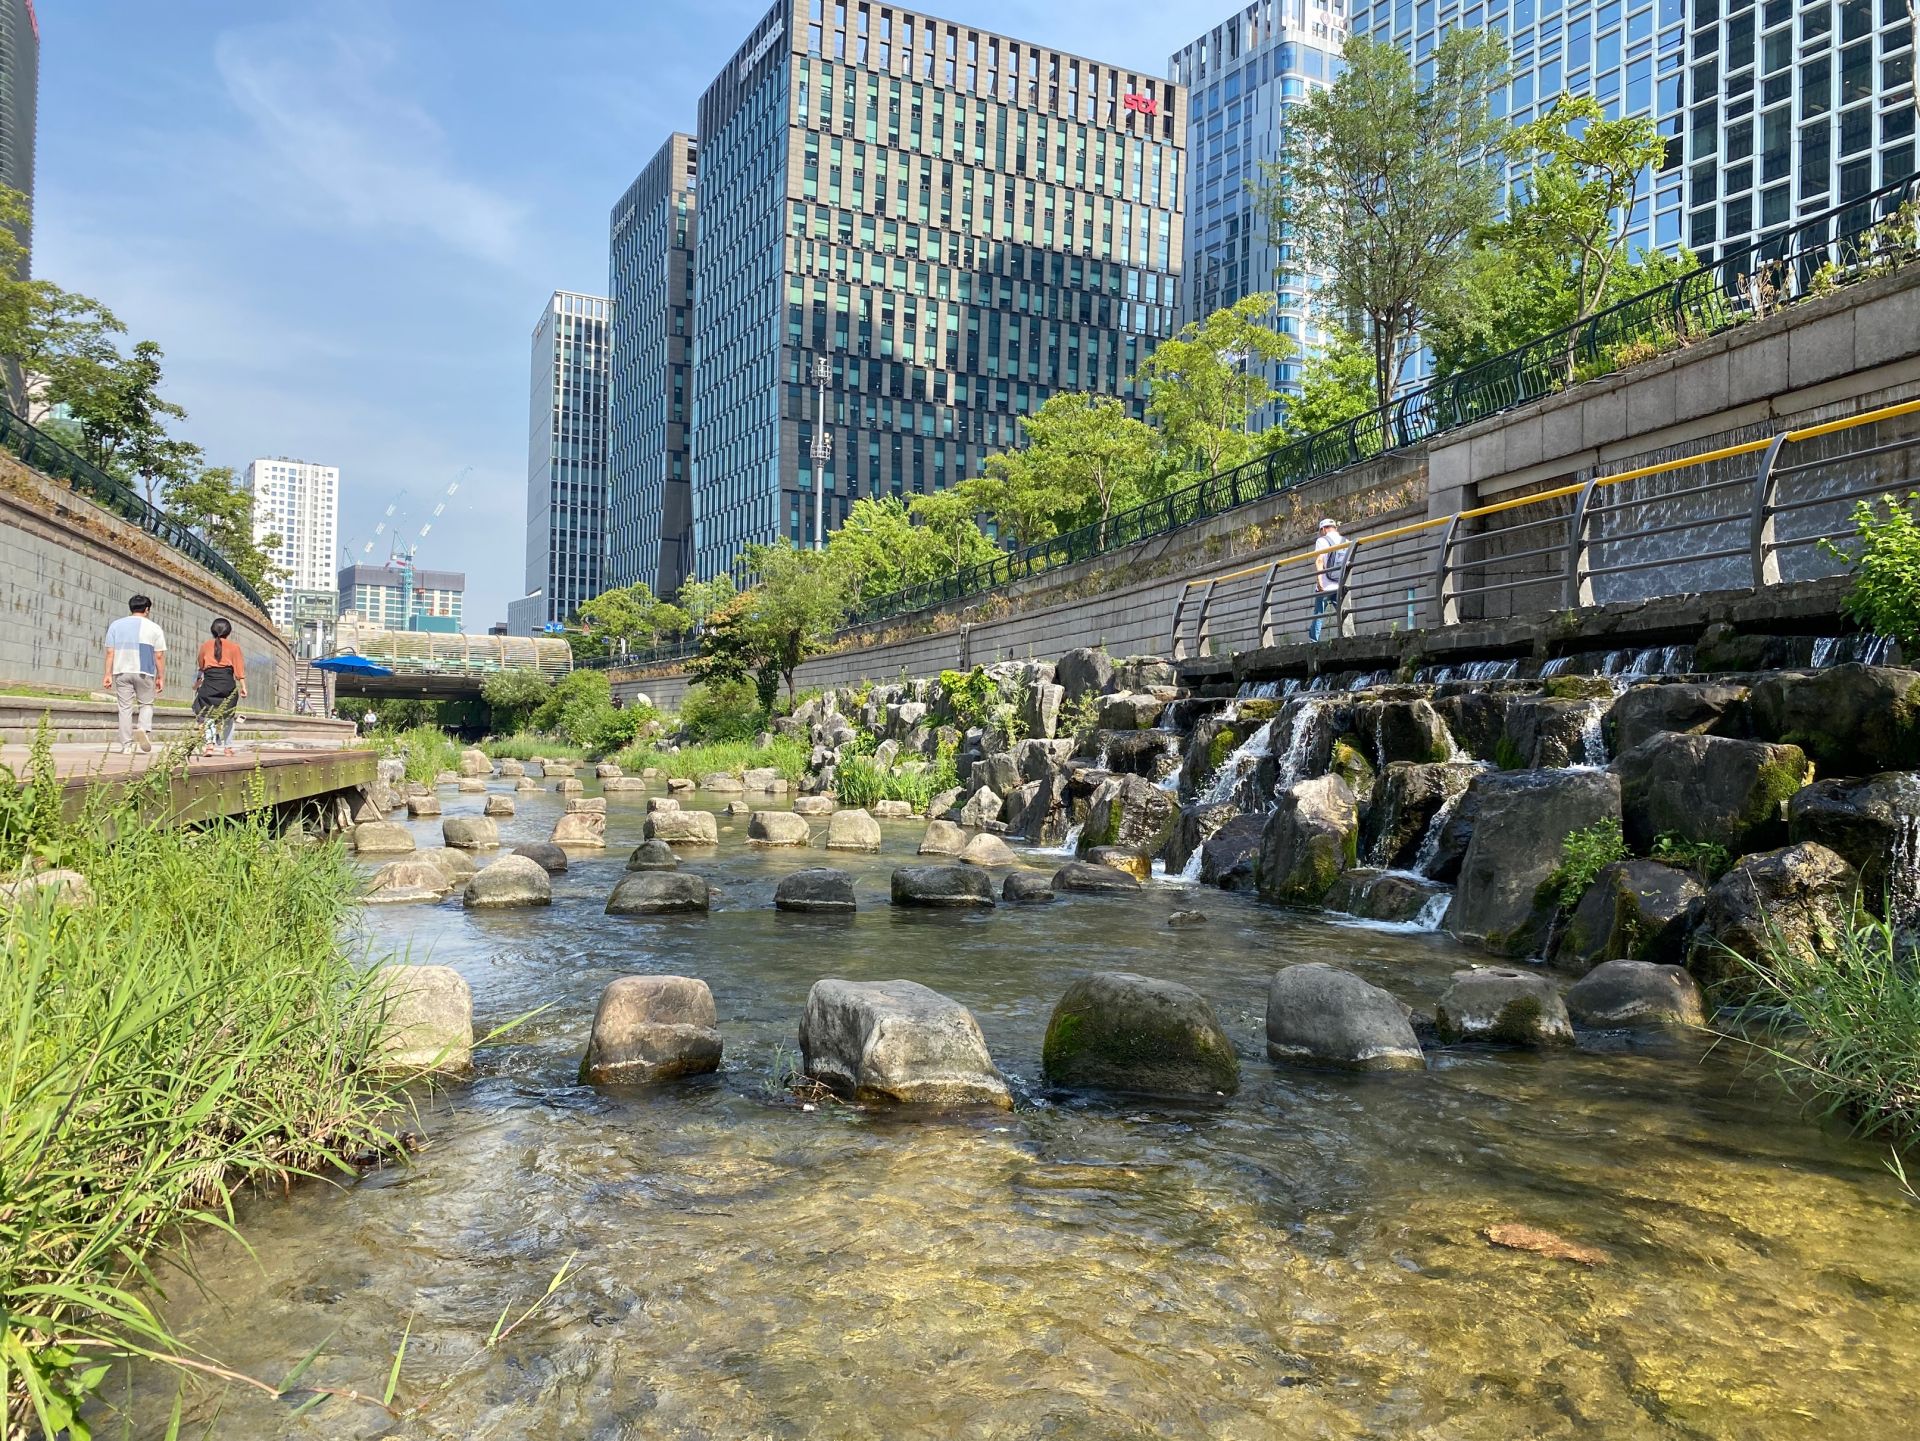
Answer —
400 556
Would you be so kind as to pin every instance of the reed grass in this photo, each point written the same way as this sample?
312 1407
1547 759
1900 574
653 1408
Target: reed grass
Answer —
195 1029
858 781
785 754
426 750
1843 1026
525 745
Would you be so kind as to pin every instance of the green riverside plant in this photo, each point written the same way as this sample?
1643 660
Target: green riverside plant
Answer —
197 1028
1583 855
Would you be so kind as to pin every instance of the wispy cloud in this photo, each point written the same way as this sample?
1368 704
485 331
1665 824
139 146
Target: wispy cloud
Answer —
341 151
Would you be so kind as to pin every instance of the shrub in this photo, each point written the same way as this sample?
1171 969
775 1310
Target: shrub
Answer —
513 696
1885 597
426 749
1583 855
971 696
719 711
1709 860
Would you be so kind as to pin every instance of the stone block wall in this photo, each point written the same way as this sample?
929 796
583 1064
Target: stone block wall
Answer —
67 568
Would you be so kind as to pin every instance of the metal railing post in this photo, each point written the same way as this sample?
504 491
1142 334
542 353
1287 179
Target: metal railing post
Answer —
1342 615
1766 569
1202 638
1266 605
1176 640
1449 603
1579 589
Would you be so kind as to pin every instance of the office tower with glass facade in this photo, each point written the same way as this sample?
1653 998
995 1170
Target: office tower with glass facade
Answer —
1242 76
19 104
1774 109
650 246
962 223
399 597
566 462
298 501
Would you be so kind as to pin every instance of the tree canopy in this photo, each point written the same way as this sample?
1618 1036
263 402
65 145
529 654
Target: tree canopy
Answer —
1208 382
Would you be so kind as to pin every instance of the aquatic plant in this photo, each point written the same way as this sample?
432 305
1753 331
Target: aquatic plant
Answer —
426 750
525 745
195 1029
784 754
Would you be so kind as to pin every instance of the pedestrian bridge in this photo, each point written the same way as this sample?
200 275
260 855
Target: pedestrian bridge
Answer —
438 665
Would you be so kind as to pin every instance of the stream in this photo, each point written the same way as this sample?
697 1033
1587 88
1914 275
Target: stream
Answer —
1304 1259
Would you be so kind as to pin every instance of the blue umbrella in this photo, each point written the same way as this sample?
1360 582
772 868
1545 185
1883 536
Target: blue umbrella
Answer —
350 665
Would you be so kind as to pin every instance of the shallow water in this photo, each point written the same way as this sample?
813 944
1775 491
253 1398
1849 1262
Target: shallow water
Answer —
1301 1260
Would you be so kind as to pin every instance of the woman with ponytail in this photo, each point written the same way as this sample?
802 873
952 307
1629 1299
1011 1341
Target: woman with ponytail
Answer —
220 685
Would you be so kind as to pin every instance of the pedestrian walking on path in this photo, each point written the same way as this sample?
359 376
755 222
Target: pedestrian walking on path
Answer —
1330 552
136 671
219 685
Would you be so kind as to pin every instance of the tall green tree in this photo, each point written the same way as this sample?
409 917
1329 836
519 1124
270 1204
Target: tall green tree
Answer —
801 598
1087 453
1015 496
1206 383
876 547
1382 182
702 599
123 417
210 501
1336 384
949 522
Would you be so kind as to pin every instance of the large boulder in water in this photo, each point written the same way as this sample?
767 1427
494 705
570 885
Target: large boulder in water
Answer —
500 807
658 893
989 851
584 830
1024 888
457 866
1477 720
1319 1015
943 838
1037 812
683 828
1115 1031
1551 731
398 882
1198 823
897 1041
511 770
1083 672
475 762
1229 856
1403 730
1633 910
1119 858
1799 898
652 855
1873 823
853 830
508 882
1620 994
545 854
1130 711
942 887
470 833
778 828
1311 835
1683 707
1520 820
381 838
1091 878
426 1018
815 890
1376 895
1128 811
1406 800
1708 788
1503 1006
1852 719
652 1028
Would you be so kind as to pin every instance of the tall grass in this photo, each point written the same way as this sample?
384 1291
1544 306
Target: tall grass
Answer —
858 781
1844 1027
198 1027
427 750
785 754
525 745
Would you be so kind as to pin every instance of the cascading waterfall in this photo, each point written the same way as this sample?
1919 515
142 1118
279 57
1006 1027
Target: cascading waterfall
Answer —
1593 737
1306 718
1903 873
1225 785
1477 670
1428 856
1843 649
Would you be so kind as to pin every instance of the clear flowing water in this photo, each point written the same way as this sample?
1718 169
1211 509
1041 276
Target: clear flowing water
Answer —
1304 1259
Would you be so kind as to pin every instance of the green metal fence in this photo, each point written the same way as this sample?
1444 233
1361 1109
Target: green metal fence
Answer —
50 457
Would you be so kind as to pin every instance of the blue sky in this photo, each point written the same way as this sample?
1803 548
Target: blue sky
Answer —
341 219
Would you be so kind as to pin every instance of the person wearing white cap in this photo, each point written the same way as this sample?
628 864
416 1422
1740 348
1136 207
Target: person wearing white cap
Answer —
1330 552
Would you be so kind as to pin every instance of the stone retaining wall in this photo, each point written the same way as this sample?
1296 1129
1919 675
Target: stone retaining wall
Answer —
67 568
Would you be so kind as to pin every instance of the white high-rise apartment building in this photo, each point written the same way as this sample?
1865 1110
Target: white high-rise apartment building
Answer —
298 501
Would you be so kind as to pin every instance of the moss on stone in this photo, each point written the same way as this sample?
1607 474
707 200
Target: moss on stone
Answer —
1257 711
1518 1022
1579 687
1220 747
1506 755
1776 782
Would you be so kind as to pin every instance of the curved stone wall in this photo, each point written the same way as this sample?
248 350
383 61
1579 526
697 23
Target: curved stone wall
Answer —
67 568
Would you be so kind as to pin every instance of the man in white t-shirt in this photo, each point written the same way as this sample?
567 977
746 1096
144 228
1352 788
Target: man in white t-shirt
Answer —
1330 552
136 670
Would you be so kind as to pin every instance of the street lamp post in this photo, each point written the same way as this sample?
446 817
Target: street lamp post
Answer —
822 448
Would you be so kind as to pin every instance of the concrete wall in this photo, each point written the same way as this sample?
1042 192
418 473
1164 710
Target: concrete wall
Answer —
67 568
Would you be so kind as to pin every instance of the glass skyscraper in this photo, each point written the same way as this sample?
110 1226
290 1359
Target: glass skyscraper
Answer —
649 392
1243 75
1773 109
960 222
566 462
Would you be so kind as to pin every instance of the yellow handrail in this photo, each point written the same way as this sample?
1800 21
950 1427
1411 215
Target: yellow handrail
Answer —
1725 452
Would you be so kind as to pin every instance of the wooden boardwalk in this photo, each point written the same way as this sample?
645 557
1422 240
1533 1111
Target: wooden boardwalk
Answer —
208 786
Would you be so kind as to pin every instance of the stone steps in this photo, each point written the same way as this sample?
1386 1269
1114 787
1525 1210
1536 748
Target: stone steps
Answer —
83 720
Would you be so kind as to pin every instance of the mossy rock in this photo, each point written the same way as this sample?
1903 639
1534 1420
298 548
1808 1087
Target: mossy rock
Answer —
1115 1031
1258 711
1579 687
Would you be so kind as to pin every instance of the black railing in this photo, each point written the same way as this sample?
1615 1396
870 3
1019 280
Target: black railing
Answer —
50 457
647 655
1749 281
